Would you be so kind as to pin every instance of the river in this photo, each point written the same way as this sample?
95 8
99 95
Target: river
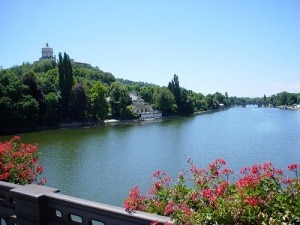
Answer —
103 163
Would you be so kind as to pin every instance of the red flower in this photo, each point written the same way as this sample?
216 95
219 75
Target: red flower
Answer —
20 161
293 166
222 188
253 201
247 181
208 194
134 201
39 169
4 176
266 166
227 171
255 169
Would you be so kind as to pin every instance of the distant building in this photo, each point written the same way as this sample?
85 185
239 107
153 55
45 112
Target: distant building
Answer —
47 53
143 109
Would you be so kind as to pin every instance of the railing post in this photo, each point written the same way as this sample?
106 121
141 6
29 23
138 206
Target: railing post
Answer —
29 201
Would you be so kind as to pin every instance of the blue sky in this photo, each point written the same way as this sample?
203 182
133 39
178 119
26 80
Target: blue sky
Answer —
245 48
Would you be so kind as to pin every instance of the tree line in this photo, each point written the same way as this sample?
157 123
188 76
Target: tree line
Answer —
280 99
49 92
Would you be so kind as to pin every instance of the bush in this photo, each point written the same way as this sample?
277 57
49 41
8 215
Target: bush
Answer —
261 195
19 162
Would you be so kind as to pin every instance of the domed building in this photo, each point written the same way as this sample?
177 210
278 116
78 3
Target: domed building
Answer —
47 53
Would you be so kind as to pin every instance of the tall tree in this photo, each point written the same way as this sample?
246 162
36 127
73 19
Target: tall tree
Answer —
176 90
65 84
183 102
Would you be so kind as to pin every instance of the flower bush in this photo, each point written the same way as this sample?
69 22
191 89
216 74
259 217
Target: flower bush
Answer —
19 162
261 195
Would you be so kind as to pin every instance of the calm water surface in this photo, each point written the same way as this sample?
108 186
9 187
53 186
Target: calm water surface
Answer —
103 163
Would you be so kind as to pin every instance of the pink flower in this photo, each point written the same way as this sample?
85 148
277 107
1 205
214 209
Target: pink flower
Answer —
134 201
169 209
266 166
39 169
255 169
245 170
220 161
293 166
158 174
208 194
227 171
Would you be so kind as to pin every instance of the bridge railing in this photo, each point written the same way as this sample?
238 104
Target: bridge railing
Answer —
40 205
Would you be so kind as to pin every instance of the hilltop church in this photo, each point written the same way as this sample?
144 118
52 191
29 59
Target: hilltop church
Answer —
47 54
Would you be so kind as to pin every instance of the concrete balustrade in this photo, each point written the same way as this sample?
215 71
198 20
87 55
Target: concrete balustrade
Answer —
40 205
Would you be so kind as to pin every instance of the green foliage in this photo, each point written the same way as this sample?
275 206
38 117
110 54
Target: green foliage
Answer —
164 101
17 106
78 102
65 84
48 81
183 101
52 110
47 92
98 106
44 66
29 79
119 101
88 75
280 99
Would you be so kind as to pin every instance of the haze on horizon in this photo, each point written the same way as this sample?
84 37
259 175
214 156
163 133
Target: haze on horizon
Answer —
245 48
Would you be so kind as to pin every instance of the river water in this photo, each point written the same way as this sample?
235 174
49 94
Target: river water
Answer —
103 163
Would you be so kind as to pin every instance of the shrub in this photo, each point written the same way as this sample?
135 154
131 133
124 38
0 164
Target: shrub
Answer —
19 162
261 195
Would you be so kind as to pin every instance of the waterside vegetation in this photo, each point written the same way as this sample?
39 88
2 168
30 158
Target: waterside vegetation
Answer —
49 93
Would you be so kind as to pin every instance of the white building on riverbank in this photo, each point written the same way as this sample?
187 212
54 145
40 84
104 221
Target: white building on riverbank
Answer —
143 109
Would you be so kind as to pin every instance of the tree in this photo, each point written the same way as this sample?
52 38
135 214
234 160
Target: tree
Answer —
183 102
147 94
52 111
17 107
29 79
265 100
49 81
65 84
44 66
119 101
78 102
98 106
164 101
176 90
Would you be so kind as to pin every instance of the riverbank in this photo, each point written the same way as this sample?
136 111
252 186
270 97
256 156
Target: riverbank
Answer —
108 122
294 108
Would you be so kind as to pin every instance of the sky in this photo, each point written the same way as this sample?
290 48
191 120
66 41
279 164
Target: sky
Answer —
245 48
